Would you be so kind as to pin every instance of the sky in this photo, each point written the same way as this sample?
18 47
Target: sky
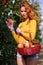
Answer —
41 5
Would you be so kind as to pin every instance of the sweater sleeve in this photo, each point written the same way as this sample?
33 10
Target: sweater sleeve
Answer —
33 27
16 36
26 35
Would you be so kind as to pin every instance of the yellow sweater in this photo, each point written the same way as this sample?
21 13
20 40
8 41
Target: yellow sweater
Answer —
28 28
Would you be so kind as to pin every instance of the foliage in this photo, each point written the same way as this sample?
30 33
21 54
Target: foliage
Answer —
7 42
36 8
10 9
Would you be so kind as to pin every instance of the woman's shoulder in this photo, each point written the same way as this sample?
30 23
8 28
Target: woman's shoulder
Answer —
32 21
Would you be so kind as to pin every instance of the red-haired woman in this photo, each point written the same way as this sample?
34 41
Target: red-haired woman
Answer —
24 29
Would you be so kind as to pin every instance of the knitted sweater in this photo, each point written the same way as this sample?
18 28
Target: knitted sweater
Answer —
28 29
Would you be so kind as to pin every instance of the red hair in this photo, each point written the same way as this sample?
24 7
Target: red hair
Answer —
31 14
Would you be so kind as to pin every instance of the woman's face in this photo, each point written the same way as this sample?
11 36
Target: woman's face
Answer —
24 13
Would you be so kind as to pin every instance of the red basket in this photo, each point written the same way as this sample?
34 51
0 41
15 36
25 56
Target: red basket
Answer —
30 50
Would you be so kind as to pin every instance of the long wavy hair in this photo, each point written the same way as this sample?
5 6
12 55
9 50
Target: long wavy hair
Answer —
30 12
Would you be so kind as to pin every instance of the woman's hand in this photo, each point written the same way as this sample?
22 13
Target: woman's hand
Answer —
18 30
9 24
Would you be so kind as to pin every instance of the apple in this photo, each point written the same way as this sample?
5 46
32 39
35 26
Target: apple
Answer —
20 45
32 45
27 44
10 21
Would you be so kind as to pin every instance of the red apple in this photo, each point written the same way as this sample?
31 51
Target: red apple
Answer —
27 44
10 21
32 45
20 45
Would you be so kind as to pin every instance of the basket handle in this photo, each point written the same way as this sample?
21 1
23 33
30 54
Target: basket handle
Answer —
30 37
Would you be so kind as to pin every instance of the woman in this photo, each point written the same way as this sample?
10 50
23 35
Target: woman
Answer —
26 31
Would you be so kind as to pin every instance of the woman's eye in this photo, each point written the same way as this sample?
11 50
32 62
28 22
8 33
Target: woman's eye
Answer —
23 11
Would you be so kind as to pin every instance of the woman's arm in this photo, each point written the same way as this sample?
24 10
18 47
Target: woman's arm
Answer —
16 36
30 35
26 35
10 26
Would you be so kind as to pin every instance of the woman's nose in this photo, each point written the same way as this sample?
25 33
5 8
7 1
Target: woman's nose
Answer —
23 13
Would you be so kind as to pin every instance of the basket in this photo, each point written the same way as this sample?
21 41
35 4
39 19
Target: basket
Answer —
30 50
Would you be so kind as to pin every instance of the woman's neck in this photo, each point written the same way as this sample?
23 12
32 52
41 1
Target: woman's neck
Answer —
25 19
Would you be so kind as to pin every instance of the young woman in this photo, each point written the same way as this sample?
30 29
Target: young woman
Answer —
24 29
